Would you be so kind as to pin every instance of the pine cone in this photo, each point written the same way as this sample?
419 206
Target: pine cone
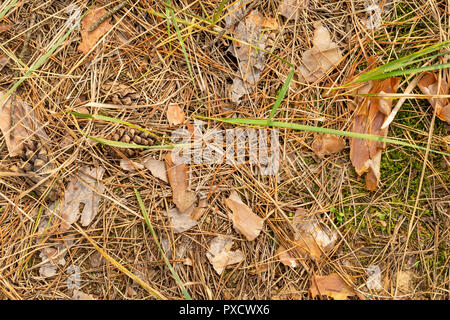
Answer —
133 136
120 94
35 163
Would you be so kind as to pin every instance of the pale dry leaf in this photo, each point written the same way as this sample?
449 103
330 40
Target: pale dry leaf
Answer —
175 115
311 237
4 59
324 55
374 280
325 144
404 281
80 295
332 286
234 12
285 257
244 219
129 165
85 189
430 85
181 221
365 155
220 254
291 9
157 168
90 39
52 256
25 123
178 180
200 209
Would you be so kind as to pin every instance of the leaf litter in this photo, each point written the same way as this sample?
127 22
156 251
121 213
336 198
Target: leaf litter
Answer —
332 286
291 9
90 39
430 85
220 254
245 221
365 155
325 144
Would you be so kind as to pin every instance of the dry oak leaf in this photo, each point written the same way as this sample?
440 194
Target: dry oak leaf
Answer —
157 168
324 55
285 257
175 115
429 86
85 188
178 180
244 220
89 39
326 144
332 286
370 115
23 127
220 254
312 239
291 9
181 221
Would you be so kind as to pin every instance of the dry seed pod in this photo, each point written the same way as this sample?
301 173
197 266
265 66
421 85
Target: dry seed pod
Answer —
35 163
133 136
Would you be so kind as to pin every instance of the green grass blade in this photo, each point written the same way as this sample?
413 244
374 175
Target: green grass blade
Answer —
169 265
8 7
404 72
281 94
219 12
301 127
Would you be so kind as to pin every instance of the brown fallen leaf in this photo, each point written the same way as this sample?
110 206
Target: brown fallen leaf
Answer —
324 55
332 286
178 180
244 220
4 27
285 257
4 59
200 209
311 237
83 191
89 39
429 86
80 295
220 254
372 111
157 168
175 115
181 221
404 281
24 127
326 144
129 165
291 9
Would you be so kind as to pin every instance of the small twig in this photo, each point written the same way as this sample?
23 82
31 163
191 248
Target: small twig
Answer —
225 30
107 16
27 36
12 111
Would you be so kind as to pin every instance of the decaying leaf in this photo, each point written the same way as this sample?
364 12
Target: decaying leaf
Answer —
181 221
429 86
285 257
178 180
4 59
244 220
220 254
175 115
52 256
291 9
80 295
89 39
332 286
251 61
157 168
311 237
129 165
372 111
324 55
325 144
24 126
85 189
